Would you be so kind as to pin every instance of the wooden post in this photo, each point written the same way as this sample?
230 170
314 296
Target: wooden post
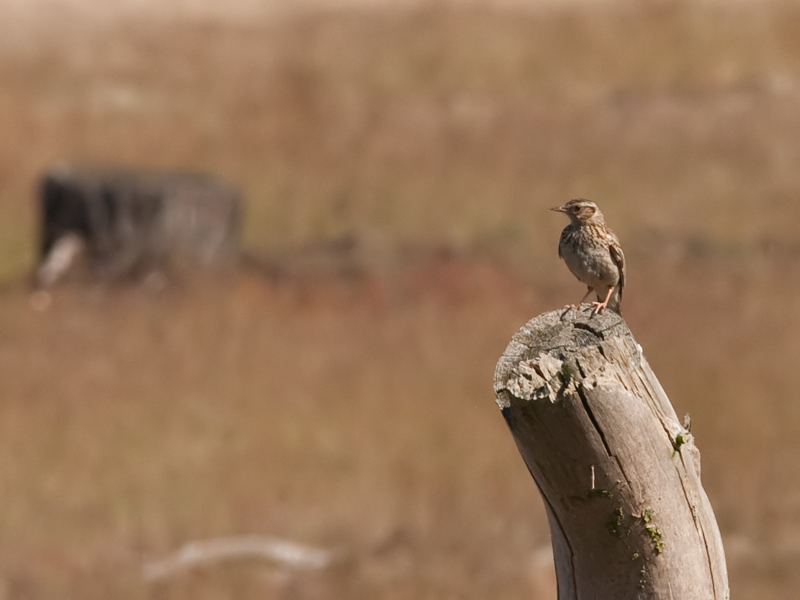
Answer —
619 475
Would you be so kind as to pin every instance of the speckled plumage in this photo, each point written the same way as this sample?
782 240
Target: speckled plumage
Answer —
593 253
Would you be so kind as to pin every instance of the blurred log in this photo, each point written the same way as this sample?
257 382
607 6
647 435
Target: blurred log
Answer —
619 475
122 223
281 553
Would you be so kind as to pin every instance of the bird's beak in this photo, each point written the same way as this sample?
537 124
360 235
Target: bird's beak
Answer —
559 209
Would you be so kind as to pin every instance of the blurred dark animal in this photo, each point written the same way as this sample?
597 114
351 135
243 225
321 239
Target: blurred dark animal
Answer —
117 224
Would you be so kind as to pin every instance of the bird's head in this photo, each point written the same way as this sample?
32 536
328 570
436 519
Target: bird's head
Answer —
581 211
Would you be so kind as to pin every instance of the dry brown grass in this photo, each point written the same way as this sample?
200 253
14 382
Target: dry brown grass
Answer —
357 413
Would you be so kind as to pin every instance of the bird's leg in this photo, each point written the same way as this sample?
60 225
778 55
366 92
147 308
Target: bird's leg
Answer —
569 307
601 306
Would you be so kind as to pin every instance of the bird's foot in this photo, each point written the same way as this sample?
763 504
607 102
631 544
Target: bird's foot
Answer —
567 308
599 307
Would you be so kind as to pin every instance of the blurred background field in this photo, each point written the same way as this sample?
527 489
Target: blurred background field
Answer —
349 406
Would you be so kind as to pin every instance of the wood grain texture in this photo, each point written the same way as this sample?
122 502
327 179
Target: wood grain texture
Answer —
619 475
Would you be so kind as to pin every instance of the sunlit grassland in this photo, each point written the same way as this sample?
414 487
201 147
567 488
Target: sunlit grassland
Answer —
427 125
357 413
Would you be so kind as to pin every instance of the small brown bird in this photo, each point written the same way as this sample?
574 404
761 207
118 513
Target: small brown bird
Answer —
593 253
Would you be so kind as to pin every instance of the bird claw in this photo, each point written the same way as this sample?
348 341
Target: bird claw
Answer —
567 308
598 307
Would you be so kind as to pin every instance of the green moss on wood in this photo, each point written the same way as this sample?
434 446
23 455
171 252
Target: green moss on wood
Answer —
653 532
599 493
614 523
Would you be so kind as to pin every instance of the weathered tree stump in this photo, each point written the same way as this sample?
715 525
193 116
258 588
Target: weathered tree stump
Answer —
619 475
121 223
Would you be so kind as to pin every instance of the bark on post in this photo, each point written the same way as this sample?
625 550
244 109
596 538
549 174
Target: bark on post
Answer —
619 475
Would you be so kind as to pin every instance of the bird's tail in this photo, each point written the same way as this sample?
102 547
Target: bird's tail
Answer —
615 302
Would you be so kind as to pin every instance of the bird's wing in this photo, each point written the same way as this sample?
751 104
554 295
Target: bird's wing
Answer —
565 234
615 249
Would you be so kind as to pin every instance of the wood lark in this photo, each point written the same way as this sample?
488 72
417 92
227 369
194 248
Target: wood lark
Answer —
593 254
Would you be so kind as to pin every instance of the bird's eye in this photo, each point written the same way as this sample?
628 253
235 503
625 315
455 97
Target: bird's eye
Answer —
575 209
